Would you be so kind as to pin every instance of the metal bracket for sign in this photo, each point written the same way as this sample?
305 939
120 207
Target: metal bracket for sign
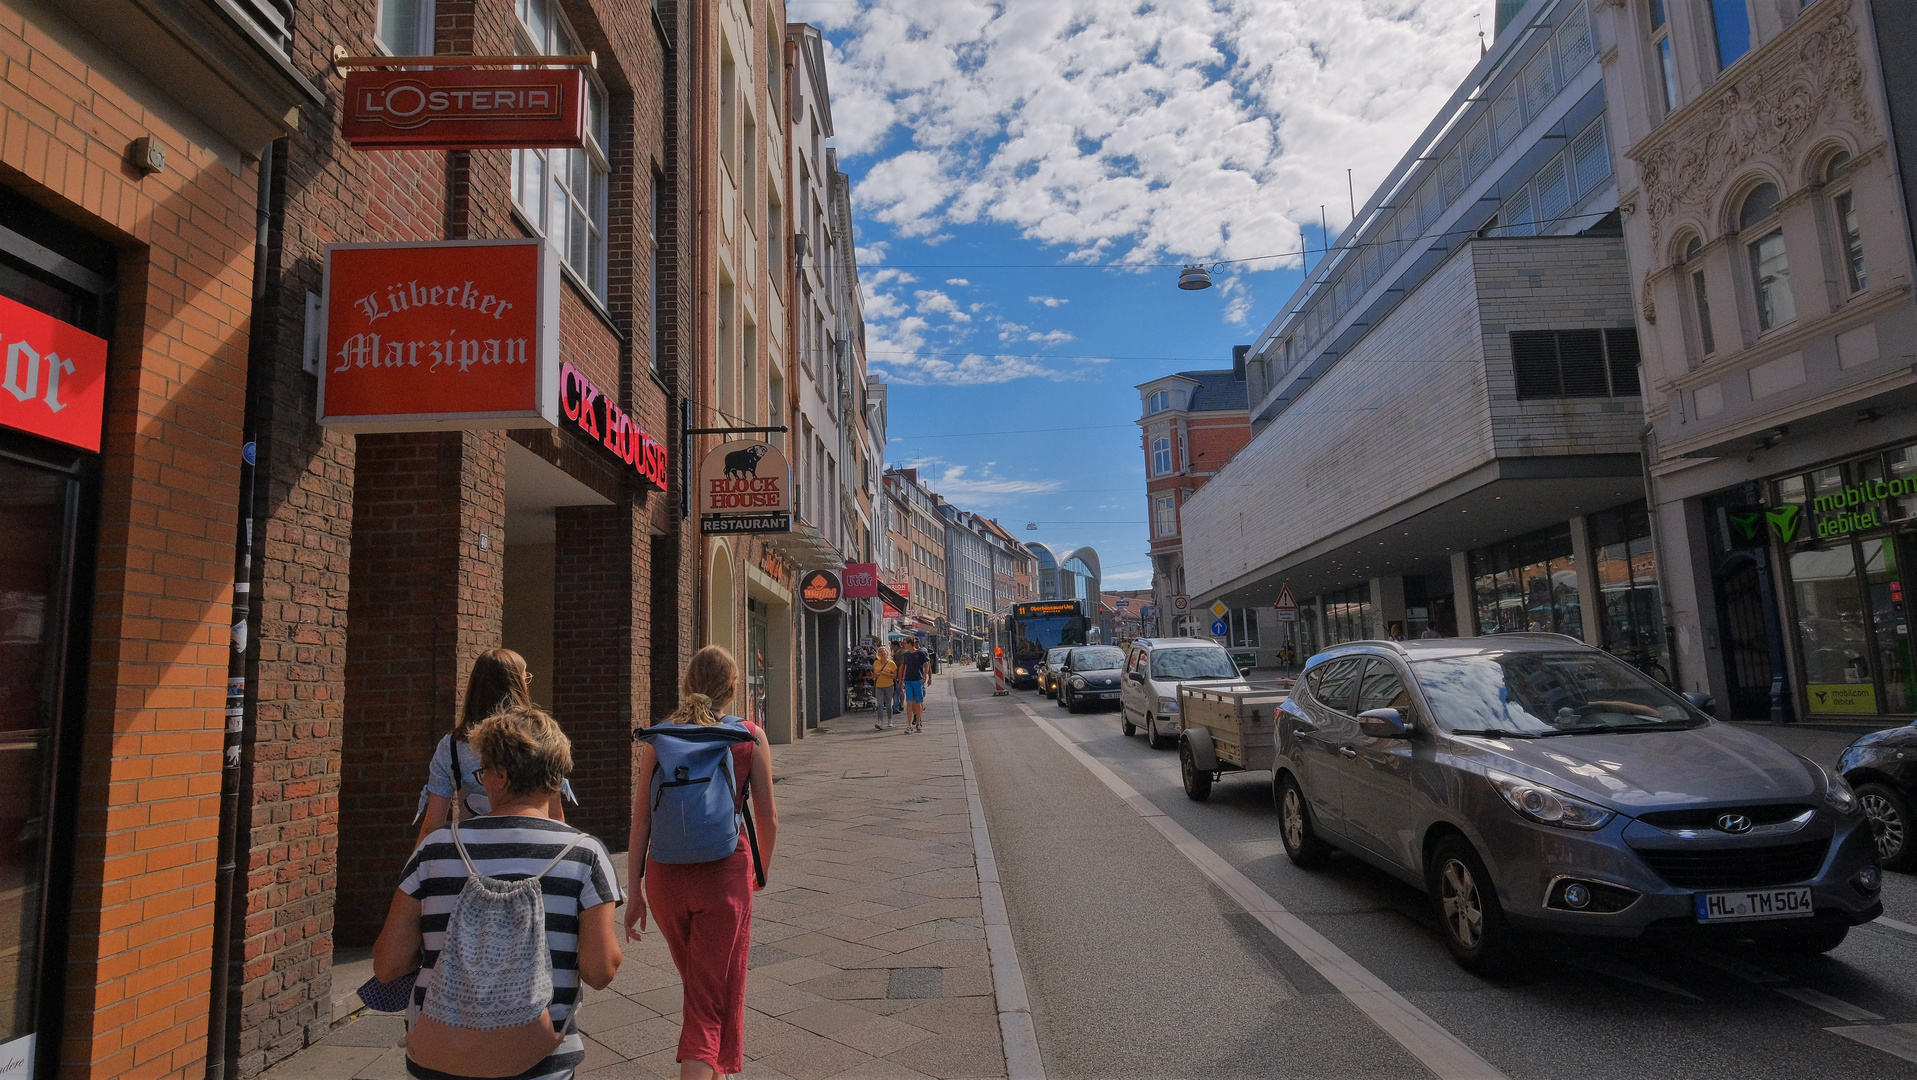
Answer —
736 430
343 60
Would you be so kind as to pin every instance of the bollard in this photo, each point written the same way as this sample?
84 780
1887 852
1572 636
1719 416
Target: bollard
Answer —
998 675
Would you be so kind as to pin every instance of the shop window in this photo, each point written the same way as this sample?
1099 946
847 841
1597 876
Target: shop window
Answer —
1830 620
1631 619
1243 626
1575 363
1348 615
406 27
1528 583
563 193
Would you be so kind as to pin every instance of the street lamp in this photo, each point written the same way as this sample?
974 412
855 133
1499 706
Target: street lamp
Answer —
1194 277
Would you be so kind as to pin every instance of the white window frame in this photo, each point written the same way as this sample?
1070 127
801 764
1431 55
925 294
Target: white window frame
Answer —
424 43
1161 455
1157 402
1165 516
583 253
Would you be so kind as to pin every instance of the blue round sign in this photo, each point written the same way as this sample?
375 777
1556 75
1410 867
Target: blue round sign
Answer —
1219 627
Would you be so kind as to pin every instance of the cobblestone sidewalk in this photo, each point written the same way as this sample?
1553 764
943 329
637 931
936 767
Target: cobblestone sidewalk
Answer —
869 957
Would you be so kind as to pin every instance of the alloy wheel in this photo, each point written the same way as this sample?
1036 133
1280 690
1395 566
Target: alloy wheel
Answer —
1292 819
1885 824
1463 907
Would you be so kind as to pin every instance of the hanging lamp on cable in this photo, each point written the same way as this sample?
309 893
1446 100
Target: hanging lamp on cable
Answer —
1194 277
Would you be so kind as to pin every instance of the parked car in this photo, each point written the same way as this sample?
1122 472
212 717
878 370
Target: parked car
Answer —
1089 675
1048 672
1882 767
984 661
1155 669
1532 783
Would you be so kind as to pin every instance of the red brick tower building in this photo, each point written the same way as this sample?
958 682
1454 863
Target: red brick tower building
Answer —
1192 423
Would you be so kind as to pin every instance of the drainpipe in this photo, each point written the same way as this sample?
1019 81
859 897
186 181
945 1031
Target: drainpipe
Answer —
226 876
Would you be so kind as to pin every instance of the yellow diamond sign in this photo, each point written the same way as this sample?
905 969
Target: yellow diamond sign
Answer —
1219 609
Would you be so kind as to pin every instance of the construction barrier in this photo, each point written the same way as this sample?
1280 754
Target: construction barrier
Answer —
998 672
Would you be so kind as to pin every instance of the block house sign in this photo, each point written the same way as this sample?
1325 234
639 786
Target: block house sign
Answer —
465 109
745 487
54 381
448 334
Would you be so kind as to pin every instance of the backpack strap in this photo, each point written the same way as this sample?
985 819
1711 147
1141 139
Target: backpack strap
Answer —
745 812
459 789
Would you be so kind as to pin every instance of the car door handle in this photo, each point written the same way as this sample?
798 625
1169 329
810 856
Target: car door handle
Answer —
1348 751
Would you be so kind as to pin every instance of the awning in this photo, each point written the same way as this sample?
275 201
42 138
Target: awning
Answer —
808 547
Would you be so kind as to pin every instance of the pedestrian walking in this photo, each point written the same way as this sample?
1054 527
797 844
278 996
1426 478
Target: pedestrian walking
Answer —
499 680
690 865
499 959
885 672
915 670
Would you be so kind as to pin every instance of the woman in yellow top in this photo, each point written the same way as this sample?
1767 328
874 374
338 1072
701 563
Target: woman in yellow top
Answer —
885 672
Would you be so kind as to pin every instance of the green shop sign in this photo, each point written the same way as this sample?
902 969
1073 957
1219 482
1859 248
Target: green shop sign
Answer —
1838 513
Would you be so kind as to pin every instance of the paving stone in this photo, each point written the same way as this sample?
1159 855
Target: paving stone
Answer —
370 1029
969 1016
864 984
826 1017
953 1055
643 1038
915 982
882 1035
606 1011
805 1056
390 1065
324 1062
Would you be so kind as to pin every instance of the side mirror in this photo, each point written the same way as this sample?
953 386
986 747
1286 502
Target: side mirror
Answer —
1244 670
1138 676
1384 724
1703 703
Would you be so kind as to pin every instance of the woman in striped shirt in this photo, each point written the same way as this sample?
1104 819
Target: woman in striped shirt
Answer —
523 758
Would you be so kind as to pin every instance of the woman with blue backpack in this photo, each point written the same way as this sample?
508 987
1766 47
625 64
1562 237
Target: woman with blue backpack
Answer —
696 853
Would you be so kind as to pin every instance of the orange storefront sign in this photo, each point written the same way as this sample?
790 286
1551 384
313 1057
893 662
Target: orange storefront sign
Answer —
450 334
52 377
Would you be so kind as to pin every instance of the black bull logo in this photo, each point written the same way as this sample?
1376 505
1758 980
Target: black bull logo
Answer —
741 463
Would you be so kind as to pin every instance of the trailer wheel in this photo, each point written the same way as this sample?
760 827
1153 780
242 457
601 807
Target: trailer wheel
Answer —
1197 781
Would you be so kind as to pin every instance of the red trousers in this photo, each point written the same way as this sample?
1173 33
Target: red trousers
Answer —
704 911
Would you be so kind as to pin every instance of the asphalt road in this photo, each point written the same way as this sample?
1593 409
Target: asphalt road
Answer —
1139 965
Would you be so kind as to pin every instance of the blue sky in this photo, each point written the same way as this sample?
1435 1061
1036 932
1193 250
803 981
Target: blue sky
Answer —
1027 176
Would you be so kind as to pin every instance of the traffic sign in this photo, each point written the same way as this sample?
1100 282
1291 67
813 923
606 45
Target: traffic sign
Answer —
1219 627
1219 609
1286 615
1286 602
1122 603
1181 603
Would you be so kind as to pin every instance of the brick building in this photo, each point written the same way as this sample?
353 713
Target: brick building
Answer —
131 137
1192 423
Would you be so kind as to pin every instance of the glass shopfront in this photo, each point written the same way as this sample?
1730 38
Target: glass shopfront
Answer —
1631 622
1528 583
1849 533
1349 616
46 492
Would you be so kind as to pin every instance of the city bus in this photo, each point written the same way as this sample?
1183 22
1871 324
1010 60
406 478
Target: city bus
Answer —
1026 631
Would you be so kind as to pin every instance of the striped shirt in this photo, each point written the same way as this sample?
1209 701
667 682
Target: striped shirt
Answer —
513 848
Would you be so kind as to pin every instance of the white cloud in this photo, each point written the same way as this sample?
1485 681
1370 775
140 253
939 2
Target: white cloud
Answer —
984 489
932 300
1130 131
1129 575
1050 337
956 281
1048 301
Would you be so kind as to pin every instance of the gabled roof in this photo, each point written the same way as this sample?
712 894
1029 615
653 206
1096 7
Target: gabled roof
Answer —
1217 391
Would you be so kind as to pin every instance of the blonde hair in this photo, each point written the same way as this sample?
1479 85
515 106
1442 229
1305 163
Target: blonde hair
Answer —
711 679
498 681
526 746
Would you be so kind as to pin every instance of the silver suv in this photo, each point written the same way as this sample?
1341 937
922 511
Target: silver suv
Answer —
1530 782
1154 670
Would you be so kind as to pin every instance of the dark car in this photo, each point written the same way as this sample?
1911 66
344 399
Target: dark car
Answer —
1532 783
1089 675
1048 671
1882 766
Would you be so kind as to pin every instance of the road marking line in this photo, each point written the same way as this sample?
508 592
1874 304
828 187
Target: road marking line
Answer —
1436 1048
1020 1036
1817 999
1899 1040
1892 924
1618 969
1748 972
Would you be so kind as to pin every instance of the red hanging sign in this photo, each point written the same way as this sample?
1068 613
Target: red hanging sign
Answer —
861 580
52 377
593 414
465 109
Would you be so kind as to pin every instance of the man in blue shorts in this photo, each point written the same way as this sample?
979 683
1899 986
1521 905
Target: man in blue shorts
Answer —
914 670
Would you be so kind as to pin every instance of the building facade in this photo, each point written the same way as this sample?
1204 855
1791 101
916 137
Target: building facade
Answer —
1446 419
1191 424
919 540
1771 267
970 583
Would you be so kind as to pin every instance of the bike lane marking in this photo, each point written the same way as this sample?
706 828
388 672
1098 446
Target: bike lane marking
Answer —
1436 1048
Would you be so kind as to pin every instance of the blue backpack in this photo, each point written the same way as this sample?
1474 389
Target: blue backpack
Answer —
694 793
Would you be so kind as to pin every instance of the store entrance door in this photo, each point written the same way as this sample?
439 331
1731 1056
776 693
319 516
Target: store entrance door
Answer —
758 647
1752 658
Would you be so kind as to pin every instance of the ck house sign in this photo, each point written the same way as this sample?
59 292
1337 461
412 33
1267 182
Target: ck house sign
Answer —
745 487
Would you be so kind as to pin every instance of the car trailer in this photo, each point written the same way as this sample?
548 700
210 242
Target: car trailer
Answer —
1225 731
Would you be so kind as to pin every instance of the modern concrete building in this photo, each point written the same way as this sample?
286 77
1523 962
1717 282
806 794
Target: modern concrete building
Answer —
1192 423
968 578
1769 240
1446 418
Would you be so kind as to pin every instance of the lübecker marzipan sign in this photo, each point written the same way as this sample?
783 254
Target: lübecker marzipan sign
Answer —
448 334
54 383
465 109
745 487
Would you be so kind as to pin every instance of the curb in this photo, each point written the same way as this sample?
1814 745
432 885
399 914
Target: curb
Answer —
1022 1061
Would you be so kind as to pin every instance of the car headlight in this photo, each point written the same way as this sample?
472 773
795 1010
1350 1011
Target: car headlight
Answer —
1078 683
1022 671
1545 805
1168 704
1837 793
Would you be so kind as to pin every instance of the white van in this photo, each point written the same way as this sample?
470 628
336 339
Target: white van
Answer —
1154 670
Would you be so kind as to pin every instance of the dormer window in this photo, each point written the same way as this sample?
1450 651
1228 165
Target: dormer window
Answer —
1158 402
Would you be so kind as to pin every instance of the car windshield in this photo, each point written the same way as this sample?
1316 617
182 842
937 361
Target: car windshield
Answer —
1536 694
1192 664
1106 659
1056 657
